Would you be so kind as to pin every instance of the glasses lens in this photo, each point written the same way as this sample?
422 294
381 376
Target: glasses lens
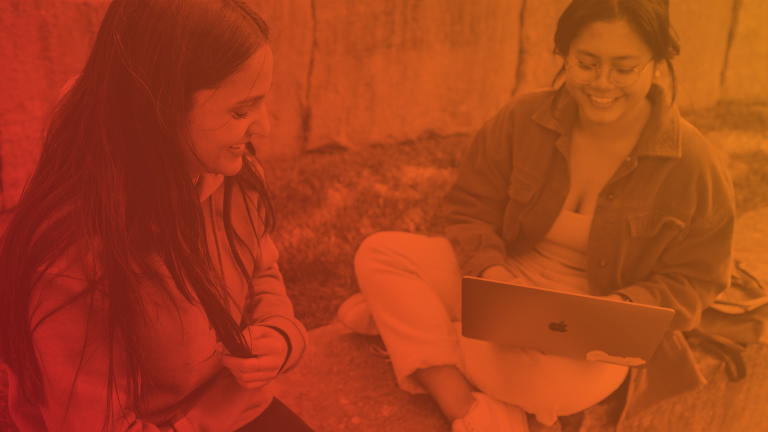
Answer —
624 77
581 73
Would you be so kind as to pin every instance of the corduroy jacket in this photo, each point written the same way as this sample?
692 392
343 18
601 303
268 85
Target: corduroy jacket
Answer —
661 232
192 390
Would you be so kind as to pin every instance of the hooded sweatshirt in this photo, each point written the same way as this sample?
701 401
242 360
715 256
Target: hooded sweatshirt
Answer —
189 389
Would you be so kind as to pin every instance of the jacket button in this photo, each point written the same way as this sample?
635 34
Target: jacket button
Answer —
611 196
603 262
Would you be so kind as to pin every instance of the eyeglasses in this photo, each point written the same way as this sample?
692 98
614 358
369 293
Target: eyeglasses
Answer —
587 74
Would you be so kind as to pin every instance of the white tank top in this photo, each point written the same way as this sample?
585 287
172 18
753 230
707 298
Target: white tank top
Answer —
567 240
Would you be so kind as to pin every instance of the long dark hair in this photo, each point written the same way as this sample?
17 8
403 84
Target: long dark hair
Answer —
112 174
649 18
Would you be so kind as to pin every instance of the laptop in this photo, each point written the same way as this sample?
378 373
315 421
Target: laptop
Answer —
559 323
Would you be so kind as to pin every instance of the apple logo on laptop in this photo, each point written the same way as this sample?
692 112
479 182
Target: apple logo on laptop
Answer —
558 327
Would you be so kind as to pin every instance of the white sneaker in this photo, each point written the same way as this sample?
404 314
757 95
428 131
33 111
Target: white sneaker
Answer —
490 415
355 314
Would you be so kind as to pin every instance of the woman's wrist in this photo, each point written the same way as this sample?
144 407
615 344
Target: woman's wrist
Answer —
619 296
287 343
496 272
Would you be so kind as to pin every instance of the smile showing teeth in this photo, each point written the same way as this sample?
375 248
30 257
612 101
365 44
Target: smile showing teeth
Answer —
602 100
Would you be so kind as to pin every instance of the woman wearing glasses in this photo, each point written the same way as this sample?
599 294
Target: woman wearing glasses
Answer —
598 187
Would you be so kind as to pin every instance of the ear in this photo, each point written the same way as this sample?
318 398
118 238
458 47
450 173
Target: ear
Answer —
657 73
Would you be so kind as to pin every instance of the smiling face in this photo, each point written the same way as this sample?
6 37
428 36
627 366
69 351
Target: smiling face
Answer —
610 45
224 119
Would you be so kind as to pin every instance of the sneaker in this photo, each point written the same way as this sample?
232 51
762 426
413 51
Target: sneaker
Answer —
355 314
490 415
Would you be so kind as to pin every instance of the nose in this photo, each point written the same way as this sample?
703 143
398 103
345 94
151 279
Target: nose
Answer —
260 125
602 80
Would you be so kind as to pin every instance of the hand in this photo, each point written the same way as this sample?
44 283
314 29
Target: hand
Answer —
501 274
614 297
269 349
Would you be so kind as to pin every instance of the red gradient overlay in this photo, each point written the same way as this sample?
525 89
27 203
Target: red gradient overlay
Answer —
356 75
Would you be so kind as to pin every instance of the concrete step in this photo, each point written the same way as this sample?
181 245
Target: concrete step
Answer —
720 406
343 383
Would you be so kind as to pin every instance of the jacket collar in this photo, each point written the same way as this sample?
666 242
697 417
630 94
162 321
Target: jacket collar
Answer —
660 137
206 184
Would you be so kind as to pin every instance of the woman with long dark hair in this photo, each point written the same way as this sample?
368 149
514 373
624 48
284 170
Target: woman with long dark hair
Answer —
598 187
140 287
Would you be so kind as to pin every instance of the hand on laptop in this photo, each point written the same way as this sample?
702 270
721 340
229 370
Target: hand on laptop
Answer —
615 297
501 274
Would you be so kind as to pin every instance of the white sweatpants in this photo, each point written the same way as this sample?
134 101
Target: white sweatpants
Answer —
413 286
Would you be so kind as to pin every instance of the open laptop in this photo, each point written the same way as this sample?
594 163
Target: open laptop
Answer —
554 322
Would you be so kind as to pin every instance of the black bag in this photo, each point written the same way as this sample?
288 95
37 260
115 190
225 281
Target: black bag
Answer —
739 316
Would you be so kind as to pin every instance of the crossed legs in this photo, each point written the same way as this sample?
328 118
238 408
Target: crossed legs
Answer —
412 284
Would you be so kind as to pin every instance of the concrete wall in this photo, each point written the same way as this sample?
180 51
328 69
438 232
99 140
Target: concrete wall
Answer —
389 70
703 27
355 73
538 63
42 45
291 26
746 73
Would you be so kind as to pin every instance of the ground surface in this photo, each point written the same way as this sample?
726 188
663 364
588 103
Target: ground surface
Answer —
345 383
329 202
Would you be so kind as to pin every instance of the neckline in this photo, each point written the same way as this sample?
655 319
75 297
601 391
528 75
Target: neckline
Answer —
578 214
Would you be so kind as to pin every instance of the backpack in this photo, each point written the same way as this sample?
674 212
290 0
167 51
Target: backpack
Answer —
738 317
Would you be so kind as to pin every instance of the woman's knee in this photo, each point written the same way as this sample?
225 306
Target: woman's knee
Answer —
384 249
373 254
372 246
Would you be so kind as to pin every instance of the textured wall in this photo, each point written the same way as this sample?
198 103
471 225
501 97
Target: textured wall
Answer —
538 63
291 37
389 70
703 27
355 73
746 74
43 43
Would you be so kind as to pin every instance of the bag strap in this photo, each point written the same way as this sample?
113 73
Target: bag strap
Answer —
751 288
737 266
725 349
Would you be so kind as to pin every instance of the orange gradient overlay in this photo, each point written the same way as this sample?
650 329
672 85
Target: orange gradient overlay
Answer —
359 130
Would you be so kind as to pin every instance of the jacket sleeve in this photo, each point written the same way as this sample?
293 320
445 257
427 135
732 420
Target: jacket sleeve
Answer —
691 272
269 305
72 351
475 204
696 265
